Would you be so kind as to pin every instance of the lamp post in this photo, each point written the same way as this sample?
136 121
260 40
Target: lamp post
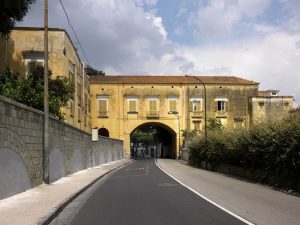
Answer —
175 114
46 100
205 110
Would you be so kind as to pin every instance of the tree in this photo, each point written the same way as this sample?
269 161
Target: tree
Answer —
9 83
214 124
92 71
31 90
12 11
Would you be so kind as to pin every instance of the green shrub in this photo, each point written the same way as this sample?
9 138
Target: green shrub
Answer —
272 147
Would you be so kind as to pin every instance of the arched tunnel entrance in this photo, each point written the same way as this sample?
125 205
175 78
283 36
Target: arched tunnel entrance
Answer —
151 140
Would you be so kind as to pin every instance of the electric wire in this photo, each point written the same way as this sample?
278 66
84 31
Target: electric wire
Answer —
72 28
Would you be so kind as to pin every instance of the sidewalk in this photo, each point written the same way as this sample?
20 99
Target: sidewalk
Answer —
256 203
36 205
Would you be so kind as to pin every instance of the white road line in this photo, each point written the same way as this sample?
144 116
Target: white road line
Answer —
205 198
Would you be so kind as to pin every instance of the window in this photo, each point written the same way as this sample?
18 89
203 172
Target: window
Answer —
71 108
261 105
79 91
71 75
197 124
103 106
32 65
274 93
195 105
85 103
79 115
173 103
71 71
132 104
153 105
33 59
221 104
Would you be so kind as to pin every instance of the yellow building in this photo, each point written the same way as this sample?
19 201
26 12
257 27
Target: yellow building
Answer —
122 104
268 104
24 50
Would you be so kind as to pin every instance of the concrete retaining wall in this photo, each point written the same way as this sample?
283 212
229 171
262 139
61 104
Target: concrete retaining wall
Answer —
21 148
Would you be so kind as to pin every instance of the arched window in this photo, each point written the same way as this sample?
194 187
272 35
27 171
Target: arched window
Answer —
103 132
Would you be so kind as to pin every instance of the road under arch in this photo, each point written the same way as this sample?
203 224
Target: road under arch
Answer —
153 139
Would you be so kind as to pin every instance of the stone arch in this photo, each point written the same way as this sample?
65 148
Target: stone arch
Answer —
14 177
10 139
167 147
77 161
57 168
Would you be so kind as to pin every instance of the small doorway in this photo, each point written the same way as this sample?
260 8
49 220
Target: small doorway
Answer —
103 132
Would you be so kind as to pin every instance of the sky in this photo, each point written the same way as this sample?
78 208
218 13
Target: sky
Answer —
253 39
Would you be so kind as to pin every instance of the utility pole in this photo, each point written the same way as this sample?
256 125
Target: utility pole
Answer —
46 100
6 50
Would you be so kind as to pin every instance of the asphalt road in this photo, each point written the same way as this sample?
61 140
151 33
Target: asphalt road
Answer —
141 194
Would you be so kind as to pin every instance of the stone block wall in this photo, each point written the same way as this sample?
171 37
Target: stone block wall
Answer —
21 148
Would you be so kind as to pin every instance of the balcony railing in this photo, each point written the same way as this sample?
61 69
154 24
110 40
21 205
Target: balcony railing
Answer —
103 114
221 113
153 114
196 113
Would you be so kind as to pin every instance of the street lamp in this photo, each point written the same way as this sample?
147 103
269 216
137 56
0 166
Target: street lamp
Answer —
205 111
175 114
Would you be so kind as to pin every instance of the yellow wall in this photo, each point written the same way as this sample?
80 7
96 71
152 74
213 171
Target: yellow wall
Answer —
270 107
61 54
120 123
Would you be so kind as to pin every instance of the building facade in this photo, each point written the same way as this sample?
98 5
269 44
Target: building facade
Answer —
24 50
268 104
122 104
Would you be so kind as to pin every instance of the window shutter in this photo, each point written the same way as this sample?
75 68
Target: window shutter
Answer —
172 105
226 106
216 105
152 104
132 106
102 105
198 106
71 108
191 106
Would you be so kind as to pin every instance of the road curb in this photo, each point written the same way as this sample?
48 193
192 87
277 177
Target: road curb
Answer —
60 207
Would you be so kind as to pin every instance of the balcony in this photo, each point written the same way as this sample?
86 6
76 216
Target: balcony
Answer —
152 114
103 114
221 114
196 114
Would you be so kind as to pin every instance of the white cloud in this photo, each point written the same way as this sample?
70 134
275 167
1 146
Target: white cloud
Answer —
292 6
146 2
253 8
120 37
218 17
273 61
157 22
182 11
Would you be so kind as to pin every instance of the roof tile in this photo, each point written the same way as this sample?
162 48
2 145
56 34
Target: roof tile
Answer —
142 79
